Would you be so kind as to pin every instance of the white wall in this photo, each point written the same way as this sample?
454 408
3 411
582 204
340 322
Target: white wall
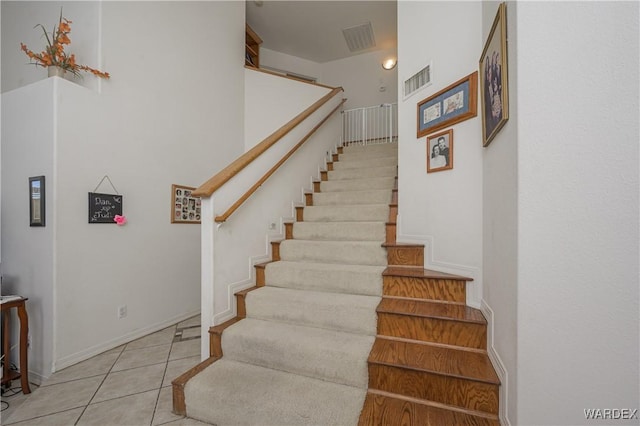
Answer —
272 101
441 210
154 123
362 76
578 190
500 227
28 265
279 61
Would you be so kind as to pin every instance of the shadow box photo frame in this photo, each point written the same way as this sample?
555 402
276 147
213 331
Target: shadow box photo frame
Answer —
440 151
185 208
453 104
494 89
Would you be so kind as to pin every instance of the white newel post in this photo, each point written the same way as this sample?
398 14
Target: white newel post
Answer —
208 228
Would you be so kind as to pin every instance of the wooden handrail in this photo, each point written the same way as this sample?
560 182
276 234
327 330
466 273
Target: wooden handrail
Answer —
222 177
223 217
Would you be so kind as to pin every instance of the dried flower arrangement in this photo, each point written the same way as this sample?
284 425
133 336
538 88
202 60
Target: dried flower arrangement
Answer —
54 54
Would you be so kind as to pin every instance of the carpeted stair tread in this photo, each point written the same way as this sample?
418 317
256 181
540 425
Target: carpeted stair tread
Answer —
348 279
362 173
365 163
343 252
233 393
439 359
329 355
374 196
339 231
358 184
347 213
343 312
357 147
367 155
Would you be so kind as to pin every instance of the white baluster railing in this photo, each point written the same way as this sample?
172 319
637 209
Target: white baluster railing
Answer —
370 125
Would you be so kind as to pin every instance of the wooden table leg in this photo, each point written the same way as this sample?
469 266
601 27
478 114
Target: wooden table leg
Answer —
24 333
6 345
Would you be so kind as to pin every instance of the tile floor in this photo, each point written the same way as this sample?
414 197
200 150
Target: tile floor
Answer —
129 385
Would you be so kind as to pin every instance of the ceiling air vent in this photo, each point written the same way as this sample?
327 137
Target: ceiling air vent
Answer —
417 81
359 37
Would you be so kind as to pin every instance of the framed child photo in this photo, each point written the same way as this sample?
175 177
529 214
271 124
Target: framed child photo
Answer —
440 151
185 208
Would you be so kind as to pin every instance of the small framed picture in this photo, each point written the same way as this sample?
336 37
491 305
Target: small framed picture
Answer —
36 201
440 151
185 208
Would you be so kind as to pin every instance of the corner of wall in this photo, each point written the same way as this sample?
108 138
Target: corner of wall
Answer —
498 365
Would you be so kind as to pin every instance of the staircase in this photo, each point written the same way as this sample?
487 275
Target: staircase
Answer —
344 326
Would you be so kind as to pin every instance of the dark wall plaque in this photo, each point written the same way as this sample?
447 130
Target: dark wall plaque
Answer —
104 207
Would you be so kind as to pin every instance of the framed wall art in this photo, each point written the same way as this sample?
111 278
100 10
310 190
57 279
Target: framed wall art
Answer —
440 151
185 208
453 104
494 90
36 201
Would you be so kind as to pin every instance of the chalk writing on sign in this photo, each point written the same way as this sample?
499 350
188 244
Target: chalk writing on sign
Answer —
104 207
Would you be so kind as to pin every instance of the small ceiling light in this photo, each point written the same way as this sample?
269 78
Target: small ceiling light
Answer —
389 64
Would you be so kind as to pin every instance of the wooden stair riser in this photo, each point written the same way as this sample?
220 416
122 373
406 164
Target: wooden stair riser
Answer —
215 337
316 186
299 213
436 330
385 410
405 255
334 157
275 251
390 233
324 175
340 150
459 392
241 299
308 198
288 230
393 213
425 288
260 278
330 166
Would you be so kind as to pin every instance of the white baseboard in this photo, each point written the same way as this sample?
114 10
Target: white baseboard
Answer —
77 357
498 365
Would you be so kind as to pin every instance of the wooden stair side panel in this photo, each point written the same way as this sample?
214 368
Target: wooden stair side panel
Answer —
388 410
424 288
405 254
477 396
473 365
436 330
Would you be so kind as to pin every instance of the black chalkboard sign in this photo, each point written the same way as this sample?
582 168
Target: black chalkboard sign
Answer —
104 207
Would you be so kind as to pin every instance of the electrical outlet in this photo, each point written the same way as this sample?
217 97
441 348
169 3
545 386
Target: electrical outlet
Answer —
272 226
122 311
